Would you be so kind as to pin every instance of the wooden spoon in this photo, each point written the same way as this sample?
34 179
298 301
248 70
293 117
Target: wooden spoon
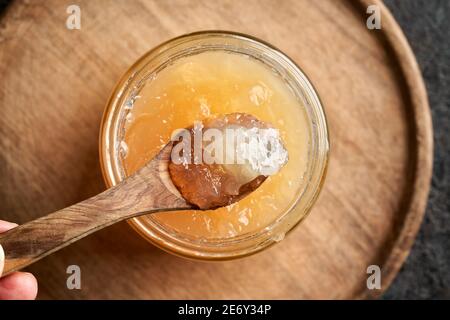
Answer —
149 190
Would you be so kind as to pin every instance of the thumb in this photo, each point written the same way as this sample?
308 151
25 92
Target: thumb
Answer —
4 226
2 260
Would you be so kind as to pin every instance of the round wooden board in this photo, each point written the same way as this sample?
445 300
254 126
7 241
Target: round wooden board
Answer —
54 85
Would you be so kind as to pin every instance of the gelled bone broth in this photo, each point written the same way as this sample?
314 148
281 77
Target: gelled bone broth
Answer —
212 83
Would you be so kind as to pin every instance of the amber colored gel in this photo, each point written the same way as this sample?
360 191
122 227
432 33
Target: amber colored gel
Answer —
218 184
211 83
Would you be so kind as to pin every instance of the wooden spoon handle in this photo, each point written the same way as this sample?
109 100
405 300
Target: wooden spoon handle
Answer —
36 239
147 191
30 242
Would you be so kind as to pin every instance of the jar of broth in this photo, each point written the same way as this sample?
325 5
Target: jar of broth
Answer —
194 77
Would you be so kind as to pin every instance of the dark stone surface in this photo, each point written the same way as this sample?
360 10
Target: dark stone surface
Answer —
426 273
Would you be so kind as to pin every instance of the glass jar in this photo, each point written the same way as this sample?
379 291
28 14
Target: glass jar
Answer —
112 131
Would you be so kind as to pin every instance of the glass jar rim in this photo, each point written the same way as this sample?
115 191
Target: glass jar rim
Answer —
240 43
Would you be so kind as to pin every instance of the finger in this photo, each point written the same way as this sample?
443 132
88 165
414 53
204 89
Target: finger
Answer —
18 286
5 225
2 260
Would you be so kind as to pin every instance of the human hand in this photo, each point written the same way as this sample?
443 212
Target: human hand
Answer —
17 285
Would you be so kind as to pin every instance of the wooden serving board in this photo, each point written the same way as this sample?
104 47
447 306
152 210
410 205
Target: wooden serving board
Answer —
55 82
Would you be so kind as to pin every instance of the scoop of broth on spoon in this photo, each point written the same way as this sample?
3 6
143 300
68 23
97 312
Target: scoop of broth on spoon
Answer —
206 166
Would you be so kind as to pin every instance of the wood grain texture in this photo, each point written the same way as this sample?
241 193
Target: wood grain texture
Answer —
149 190
55 83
